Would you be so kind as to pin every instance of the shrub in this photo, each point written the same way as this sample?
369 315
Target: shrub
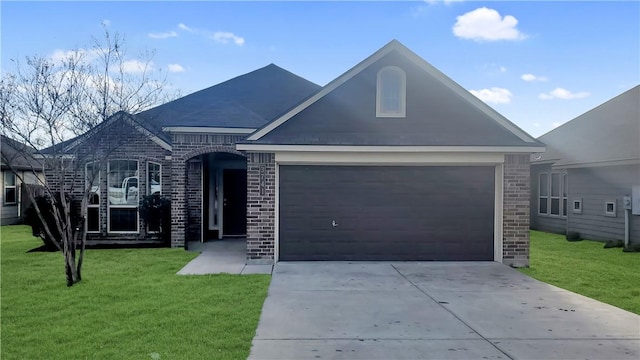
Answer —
632 248
614 243
155 212
573 236
45 204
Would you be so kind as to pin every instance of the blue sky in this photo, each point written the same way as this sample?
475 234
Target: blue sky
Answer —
538 63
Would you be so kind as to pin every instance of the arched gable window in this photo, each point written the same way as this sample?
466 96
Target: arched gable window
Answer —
391 92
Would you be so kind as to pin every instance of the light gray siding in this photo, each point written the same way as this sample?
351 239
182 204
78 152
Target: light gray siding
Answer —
595 186
543 222
8 213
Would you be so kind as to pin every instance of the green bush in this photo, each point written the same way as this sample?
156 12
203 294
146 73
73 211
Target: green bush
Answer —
155 212
614 243
573 236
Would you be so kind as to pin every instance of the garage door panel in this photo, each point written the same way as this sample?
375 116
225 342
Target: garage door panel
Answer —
386 213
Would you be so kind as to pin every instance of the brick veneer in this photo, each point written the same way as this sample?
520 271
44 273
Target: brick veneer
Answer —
186 175
119 140
515 223
261 195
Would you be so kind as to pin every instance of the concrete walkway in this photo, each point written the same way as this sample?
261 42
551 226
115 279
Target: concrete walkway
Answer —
221 256
412 310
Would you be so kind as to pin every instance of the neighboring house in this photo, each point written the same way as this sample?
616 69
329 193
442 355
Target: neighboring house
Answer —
15 169
390 161
592 162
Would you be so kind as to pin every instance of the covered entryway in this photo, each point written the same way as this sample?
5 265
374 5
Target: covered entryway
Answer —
386 212
224 200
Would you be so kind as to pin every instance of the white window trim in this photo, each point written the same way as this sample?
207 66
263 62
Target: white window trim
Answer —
109 206
606 205
564 194
5 187
573 206
148 182
540 196
549 196
557 197
402 96
93 206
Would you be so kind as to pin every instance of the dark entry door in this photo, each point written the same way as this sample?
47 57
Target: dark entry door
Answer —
234 202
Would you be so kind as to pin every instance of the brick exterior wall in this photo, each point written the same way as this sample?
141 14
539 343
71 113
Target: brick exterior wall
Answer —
261 199
515 222
118 141
194 199
186 176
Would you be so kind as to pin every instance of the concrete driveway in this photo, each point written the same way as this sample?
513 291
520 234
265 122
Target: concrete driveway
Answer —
412 310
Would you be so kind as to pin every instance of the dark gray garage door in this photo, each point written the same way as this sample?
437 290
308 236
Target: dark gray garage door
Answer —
386 213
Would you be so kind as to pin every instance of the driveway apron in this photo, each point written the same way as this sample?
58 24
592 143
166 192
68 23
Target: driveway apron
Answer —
420 310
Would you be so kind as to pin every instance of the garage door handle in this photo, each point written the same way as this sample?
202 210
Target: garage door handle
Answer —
334 224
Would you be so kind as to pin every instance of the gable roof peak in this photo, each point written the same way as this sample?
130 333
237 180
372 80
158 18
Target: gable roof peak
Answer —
395 45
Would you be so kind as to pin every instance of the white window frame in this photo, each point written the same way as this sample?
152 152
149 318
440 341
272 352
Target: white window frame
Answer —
540 196
93 206
606 208
149 182
122 206
550 197
402 97
576 209
564 194
6 187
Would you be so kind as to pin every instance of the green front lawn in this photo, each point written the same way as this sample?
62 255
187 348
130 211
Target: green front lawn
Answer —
585 267
129 305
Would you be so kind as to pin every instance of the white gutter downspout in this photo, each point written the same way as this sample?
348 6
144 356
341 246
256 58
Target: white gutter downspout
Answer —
626 205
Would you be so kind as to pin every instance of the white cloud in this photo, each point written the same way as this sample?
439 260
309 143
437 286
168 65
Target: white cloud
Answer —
86 55
184 27
106 22
564 94
224 38
485 24
164 35
493 95
175 68
531 78
536 124
136 66
503 69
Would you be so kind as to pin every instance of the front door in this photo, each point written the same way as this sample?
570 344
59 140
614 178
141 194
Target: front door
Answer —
234 203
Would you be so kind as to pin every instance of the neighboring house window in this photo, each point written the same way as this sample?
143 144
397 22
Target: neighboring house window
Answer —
92 183
552 194
10 195
122 182
391 92
610 208
154 178
543 193
565 187
577 206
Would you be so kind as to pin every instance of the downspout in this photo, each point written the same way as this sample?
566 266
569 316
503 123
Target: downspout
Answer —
626 205
626 228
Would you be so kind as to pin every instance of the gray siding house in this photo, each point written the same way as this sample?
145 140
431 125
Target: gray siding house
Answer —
15 170
591 164
392 160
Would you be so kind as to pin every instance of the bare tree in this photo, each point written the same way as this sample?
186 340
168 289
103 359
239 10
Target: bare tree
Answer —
61 107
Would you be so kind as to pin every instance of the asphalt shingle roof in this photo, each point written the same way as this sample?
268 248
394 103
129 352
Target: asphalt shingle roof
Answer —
608 132
247 101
